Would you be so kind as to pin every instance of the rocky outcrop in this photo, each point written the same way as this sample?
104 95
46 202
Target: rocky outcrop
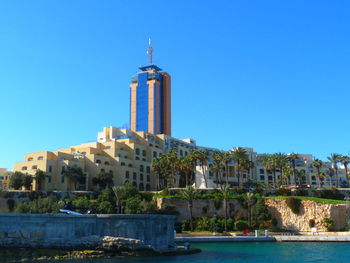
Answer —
286 219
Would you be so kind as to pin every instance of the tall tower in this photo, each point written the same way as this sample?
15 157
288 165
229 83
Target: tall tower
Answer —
150 99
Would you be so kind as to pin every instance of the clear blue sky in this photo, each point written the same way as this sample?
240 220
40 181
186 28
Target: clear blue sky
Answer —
272 75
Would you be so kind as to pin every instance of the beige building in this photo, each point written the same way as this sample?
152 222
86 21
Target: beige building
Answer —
4 178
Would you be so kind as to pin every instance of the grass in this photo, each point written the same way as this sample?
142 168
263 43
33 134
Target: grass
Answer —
315 199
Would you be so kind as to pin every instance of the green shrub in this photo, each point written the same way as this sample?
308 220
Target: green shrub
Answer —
202 224
178 227
330 194
328 222
241 225
105 207
259 213
283 192
293 204
217 202
230 224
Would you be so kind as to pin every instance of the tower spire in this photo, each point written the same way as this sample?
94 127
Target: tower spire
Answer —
150 51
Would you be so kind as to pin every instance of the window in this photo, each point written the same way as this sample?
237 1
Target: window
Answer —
130 165
262 171
154 154
98 161
141 177
137 158
148 187
181 153
143 159
270 178
186 153
148 178
148 169
262 178
111 172
24 168
127 174
63 169
106 163
144 153
30 159
122 164
49 179
126 157
141 168
134 176
34 167
62 179
50 169
313 177
108 147
40 158
134 184
137 151
141 187
102 170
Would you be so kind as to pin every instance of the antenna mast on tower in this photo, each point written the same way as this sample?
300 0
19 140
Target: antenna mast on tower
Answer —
150 51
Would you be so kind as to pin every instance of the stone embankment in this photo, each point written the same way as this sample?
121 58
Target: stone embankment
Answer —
309 210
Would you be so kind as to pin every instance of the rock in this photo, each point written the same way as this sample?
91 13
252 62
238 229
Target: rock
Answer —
14 234
119 244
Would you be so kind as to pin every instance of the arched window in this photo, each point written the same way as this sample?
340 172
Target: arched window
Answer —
137 151
141 177
141 187
144 153
106 163
148 177
148 187
141 168
134 176
130 165
154 154
137 158
98 161
181 153
127 174
111 172
122 164
40 158
134 184
148 169
30 159
34 167
24 168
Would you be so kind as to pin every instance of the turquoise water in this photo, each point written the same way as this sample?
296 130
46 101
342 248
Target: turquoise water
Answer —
251 253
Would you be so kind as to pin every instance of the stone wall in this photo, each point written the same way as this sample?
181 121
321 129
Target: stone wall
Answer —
203 208
308 210
47 230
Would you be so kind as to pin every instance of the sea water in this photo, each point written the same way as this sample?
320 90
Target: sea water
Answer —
276 252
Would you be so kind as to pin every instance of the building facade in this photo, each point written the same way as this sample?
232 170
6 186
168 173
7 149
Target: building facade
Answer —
150 101
4 176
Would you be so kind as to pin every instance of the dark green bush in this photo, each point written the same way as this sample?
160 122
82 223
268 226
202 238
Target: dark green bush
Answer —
328 223
178 227
10 204
283 192
241 225
217 202
330 194
293 204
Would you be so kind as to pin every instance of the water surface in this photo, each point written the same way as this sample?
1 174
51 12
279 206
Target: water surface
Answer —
250 253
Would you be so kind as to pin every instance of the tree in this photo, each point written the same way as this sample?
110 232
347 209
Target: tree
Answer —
227 158
28 180
344 159
317 163
250 199
202 158
75 174
186 168
16 180
103 180
173 162
240 156
190 194
215 168
287 172
281 160
225 191
299 174
293 157
39 178
334 158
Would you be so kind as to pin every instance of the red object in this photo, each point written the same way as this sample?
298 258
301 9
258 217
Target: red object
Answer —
246 231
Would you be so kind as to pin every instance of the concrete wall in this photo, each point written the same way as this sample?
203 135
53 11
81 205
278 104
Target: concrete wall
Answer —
42 229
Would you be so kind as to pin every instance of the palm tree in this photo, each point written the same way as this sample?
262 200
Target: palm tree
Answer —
186 168
292 159
330 173
225 191
174 165
240 156
249 198
299 174
334 158
39 178
216 169
158 169
287 172
345 160
190 194
75 174
281 160
317 163
227 158
218 159
202 158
